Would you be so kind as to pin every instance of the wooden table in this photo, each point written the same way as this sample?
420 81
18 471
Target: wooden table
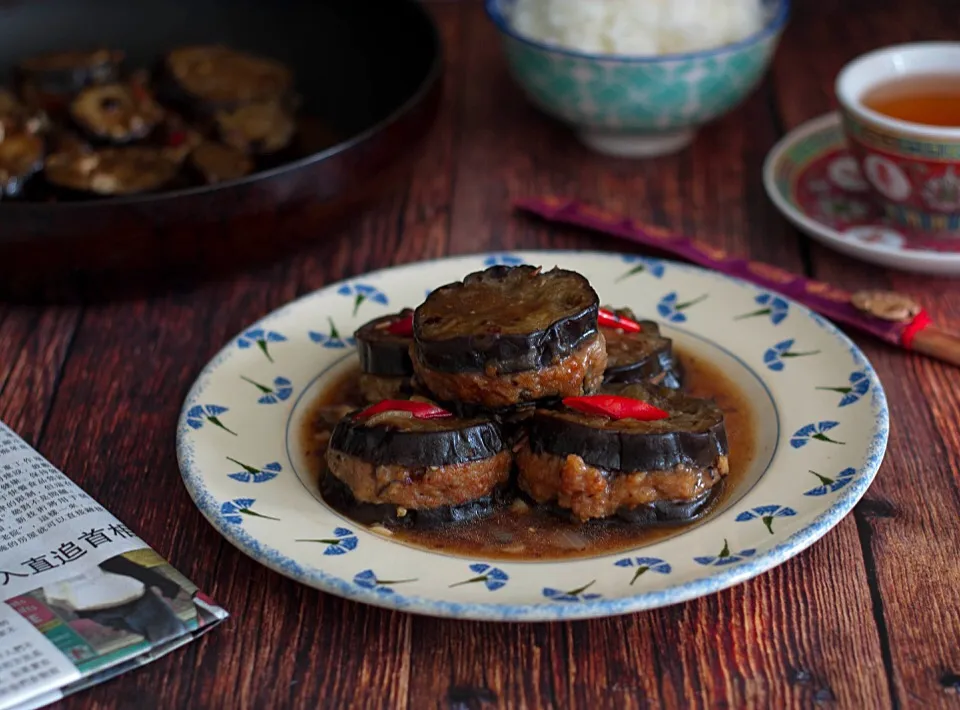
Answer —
869 617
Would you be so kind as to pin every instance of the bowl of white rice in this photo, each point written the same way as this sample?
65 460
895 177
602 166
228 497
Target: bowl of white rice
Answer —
636 78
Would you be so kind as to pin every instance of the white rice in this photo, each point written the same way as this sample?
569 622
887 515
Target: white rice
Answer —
638 27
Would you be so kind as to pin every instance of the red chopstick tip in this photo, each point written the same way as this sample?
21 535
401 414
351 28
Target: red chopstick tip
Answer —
919 322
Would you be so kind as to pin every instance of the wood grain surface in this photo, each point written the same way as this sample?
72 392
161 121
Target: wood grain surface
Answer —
869 617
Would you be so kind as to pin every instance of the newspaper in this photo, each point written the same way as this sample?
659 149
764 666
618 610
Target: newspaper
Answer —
82 598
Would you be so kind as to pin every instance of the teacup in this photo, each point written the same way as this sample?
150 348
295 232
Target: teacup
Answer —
913 169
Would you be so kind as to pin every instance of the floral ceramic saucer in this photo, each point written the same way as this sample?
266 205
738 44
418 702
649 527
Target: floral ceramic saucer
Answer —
820 412
815 182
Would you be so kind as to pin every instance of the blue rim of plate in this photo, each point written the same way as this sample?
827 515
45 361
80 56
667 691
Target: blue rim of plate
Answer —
771 27
731 576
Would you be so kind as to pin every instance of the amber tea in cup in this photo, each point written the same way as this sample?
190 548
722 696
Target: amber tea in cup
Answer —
931 100
901 118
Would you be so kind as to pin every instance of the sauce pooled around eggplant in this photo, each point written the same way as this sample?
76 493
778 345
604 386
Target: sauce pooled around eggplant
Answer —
520 530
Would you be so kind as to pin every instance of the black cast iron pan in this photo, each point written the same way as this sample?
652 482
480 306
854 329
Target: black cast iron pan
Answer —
368 72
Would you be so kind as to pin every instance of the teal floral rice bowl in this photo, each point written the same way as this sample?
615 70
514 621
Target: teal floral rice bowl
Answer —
638 106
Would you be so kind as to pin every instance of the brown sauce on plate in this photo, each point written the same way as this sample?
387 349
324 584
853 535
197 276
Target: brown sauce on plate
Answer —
520 532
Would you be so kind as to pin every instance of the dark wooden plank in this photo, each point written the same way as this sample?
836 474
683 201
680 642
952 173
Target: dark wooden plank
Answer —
34 344
908 521
756 644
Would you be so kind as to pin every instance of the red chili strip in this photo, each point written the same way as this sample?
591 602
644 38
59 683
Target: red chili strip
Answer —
419 410
608 405
177 138
609 319
402 326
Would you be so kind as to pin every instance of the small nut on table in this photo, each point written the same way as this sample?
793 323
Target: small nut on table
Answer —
888 305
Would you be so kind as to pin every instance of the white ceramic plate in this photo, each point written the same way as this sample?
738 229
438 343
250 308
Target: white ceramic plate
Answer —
813 180
822 419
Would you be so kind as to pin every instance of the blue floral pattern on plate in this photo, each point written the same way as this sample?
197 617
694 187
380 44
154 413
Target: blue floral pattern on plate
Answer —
642 265
859 385
725 557
332 339
367 579
260 338
201 413
831 485
643 565
252 474
493 578
814 432
502 260
341 542
361 292
672 308
233 511
774 357
766 514
771 305
280 391
579 594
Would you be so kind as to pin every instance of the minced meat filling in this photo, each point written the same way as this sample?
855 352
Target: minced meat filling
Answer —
420 488
375 388
579 373
590 492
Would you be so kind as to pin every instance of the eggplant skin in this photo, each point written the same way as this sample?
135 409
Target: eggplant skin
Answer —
484 350
695 434
657 362
387 445
338 495
382 353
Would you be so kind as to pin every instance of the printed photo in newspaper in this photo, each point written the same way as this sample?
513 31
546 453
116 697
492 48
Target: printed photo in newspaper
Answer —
84 599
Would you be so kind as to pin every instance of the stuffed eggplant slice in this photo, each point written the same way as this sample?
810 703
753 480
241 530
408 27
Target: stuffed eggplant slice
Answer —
384 348
638 355
646 454
508 336
115 113
110 171
211 78
411 463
